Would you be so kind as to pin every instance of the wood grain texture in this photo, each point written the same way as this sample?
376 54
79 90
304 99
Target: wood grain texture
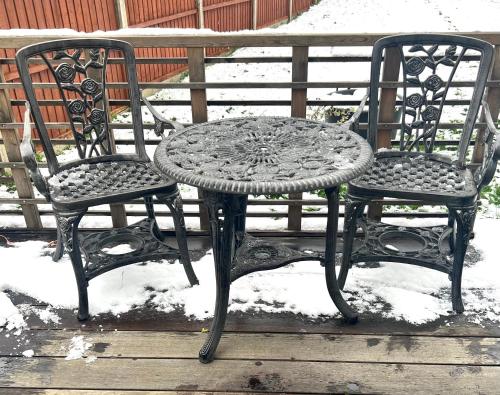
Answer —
269 346
370 324
199 109
11 142
121 13
242 375
493 99
390 72
45 391
236 39
298 109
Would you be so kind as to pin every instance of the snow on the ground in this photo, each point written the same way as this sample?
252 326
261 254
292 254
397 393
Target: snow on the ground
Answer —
414 294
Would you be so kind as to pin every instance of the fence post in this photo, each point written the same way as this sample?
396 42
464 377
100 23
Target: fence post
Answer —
196 66
493 100
11 143
390 72
290 10
201 16
299 104
121 14
255 5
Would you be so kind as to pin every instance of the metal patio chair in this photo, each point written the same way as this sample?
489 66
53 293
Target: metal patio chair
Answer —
413 171
79 68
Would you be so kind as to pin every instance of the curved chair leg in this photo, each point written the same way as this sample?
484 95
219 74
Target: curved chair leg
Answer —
464 218
174 203
353 209
59 252
330 249
68 222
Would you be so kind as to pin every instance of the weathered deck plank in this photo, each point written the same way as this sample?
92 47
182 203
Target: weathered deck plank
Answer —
243 375
267 346
153 352
151 319
52 391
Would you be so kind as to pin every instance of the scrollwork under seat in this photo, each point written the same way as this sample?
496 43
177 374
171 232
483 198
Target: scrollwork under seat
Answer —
414 171
99 176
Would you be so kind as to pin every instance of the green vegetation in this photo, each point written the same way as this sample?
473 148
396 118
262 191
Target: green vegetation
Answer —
342 192
492 194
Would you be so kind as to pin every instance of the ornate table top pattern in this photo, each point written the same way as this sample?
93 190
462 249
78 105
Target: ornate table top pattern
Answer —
263 155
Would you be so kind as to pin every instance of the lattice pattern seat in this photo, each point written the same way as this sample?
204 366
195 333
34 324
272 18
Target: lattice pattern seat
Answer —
99 180
398 174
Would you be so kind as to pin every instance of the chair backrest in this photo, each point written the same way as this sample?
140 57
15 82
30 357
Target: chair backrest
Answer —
79 68
429 64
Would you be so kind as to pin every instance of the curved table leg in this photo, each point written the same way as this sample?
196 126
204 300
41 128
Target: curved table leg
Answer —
223 242
350 315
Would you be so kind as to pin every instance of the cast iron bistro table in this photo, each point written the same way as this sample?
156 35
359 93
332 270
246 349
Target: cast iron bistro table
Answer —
230 159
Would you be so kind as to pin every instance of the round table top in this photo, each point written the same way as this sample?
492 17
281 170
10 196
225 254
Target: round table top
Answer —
259 155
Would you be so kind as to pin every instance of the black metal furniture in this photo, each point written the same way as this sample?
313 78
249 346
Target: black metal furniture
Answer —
79 69
230 159
429 64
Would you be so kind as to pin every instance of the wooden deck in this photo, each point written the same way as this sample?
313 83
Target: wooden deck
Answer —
149 352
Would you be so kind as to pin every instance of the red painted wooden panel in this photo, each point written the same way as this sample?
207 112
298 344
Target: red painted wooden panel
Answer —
91 15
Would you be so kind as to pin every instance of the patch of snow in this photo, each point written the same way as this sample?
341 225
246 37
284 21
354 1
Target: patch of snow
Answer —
10 316
91 359
118 249
28 353
77 348
45 314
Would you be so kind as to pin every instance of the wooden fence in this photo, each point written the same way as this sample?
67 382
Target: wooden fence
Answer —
197 61
92 15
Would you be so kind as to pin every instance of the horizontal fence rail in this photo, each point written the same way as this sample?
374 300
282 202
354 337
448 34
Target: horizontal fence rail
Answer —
195 63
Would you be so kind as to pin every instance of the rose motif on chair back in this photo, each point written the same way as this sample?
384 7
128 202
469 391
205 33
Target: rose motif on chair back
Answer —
425 91
81 79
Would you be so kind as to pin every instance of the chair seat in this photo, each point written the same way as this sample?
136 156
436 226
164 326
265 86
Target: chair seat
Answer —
89 184
413 175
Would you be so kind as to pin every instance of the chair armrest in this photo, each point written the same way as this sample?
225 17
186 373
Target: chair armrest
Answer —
160 122
485 173
353 122
28 155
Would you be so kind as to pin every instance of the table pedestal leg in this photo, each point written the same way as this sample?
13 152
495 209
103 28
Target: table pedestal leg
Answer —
332 195
223 242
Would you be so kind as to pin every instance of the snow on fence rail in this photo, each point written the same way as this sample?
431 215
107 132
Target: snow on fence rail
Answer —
198 86
109 15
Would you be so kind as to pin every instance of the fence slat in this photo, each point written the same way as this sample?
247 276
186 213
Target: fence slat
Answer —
121 13
196 64
390 72
201 14
255 5
21 179
298 109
